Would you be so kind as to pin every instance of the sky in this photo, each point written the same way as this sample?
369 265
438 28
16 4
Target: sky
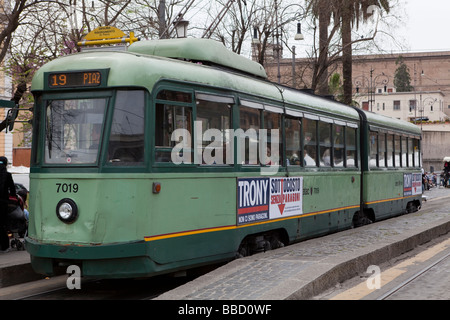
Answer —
412 26
426 25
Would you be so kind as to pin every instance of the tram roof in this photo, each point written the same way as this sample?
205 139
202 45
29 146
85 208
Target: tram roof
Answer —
199 50
145 70
381 122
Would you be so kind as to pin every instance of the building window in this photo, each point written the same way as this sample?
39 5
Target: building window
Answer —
396 104
412 105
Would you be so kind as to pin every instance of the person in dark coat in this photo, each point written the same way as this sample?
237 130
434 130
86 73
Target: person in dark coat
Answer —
7 188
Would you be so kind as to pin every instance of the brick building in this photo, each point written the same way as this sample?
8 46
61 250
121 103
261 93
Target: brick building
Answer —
430 71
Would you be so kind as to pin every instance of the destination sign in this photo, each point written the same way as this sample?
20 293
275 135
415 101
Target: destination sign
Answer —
75 79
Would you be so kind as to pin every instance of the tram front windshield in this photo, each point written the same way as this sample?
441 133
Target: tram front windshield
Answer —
73 130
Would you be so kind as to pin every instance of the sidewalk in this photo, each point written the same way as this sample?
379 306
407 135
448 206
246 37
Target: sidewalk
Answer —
308 268
15 268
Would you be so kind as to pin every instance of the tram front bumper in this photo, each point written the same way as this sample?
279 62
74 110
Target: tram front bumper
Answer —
123 260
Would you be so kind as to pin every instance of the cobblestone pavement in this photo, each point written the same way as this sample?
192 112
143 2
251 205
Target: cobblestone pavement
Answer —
307 268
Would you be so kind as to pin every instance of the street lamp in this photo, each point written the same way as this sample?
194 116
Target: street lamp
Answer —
299 35
372 85
181 26
255 39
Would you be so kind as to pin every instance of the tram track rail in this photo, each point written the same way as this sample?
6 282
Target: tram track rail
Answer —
99 289
411 279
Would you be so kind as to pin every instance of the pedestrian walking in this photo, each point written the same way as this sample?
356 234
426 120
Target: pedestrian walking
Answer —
7 188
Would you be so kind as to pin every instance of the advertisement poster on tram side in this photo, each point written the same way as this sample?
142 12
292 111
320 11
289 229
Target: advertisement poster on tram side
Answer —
252 200
412 184
286 197
261 199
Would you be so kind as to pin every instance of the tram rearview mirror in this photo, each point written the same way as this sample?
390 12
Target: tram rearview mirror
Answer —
11 117
12 113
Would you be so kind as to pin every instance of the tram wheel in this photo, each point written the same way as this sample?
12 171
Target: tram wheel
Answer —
363 219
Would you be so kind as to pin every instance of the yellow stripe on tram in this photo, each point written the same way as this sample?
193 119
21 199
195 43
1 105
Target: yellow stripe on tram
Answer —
233 227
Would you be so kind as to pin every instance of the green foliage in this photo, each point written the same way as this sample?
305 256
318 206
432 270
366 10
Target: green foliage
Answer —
402 78
337 90
335 86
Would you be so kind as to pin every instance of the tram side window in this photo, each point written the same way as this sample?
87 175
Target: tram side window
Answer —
173 127
292 131
382 149
250 123
416 143
351 155
215 117
404 152
397 151
410 153
310 142
339 145
325 144
170 116
272 122
390 150
373 145
126 141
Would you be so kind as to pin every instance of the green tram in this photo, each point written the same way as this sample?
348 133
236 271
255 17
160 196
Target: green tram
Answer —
147 161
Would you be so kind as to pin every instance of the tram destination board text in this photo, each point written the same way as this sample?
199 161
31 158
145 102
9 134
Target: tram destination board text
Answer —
91 78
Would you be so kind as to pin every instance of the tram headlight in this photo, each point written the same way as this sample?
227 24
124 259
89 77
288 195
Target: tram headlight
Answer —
67 210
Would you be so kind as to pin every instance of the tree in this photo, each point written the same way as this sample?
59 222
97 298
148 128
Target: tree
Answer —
402 78
270 20
10 19
351 13
335 16
321 9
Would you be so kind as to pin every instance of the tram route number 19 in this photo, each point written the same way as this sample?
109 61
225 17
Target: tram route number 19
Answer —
66 187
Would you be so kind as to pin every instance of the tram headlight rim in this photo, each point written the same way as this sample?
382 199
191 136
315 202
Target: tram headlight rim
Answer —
67 210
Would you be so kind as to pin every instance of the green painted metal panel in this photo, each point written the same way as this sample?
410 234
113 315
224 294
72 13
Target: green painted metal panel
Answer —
121 207
203 50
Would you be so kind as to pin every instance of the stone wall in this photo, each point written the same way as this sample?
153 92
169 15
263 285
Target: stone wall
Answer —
435 146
